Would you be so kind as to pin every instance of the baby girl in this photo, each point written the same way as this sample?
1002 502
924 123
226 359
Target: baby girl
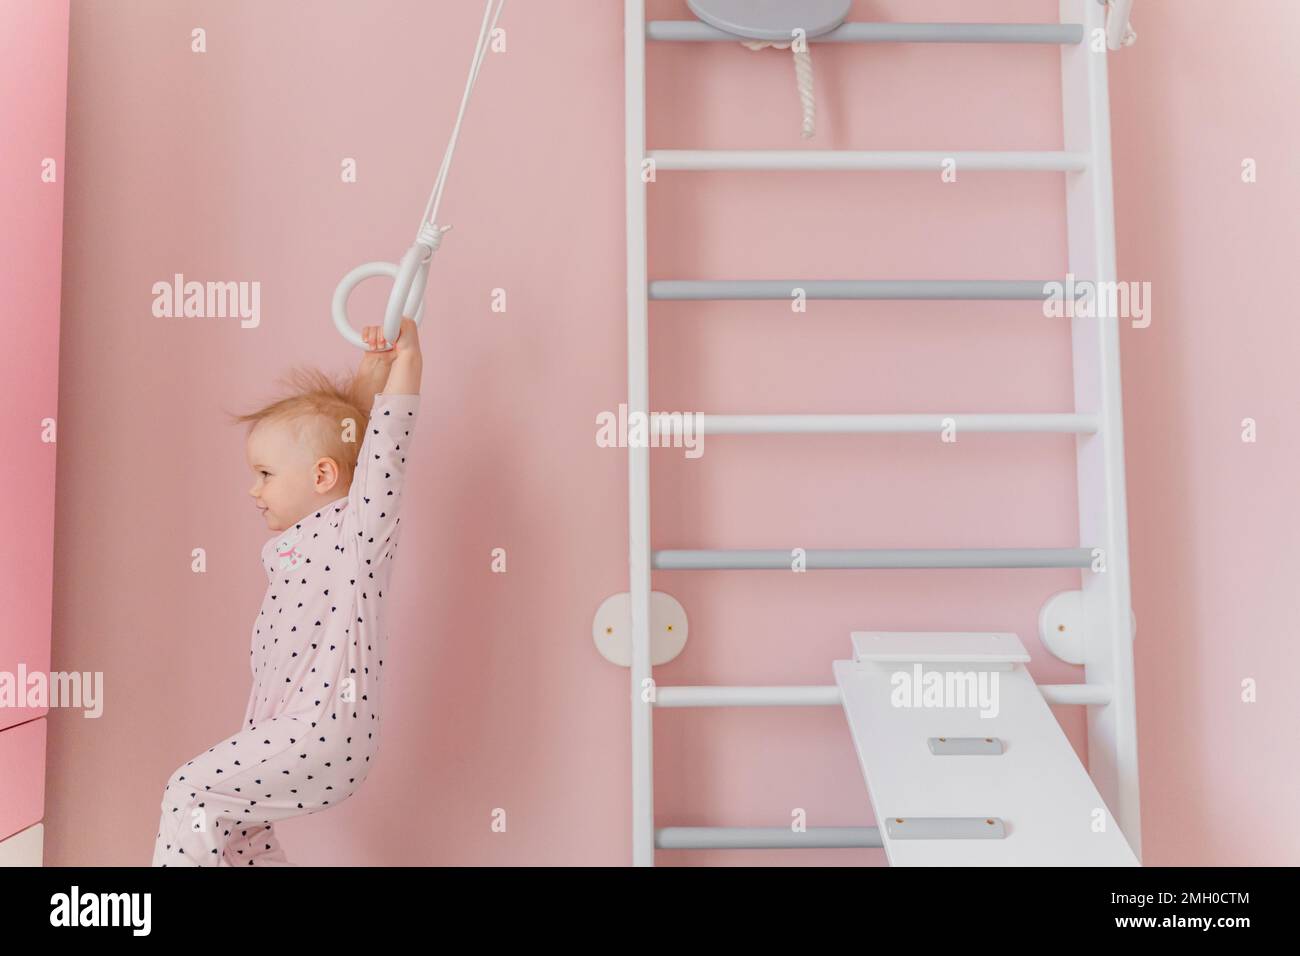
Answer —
318 643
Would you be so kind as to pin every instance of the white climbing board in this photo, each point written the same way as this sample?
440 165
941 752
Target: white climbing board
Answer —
1036 787
24 848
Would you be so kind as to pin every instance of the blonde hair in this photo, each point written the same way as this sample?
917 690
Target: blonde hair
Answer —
320 405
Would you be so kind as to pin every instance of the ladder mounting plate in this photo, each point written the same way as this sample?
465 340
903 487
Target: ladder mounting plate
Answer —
772 19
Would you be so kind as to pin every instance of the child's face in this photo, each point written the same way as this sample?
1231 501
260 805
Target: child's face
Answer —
290 480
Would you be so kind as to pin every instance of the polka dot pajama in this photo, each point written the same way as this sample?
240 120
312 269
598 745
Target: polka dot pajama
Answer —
311 728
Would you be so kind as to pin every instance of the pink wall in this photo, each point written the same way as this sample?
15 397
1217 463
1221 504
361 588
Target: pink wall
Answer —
1215 531
229 170
33 89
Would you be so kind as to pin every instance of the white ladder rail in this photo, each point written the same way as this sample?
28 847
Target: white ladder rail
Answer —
1108 687
1103 514
638 402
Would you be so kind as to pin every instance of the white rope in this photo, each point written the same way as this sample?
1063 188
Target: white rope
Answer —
1129 36
430 233
803 71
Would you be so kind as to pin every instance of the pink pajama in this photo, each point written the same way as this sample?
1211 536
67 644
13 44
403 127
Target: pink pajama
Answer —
311 727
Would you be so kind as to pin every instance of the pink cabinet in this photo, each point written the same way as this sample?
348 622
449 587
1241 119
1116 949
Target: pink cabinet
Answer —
33 93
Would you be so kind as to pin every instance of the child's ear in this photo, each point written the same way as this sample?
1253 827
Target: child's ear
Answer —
327 475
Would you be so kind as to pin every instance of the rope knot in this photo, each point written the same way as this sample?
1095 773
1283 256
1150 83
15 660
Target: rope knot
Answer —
431 235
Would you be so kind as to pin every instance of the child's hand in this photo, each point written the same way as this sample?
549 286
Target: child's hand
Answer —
408 340
373 336
394 369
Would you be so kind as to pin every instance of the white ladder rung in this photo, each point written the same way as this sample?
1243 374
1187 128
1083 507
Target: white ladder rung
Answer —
843 159
710 424
1003 290
714 696
766 838
828 695
815 559
1095 694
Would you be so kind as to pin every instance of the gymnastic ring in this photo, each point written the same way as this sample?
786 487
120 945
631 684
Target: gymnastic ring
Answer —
409 279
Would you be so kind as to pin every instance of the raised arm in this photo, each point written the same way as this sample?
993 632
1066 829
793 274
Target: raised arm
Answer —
395 370
389 384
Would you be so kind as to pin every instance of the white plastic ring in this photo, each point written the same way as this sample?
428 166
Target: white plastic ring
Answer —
409 280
